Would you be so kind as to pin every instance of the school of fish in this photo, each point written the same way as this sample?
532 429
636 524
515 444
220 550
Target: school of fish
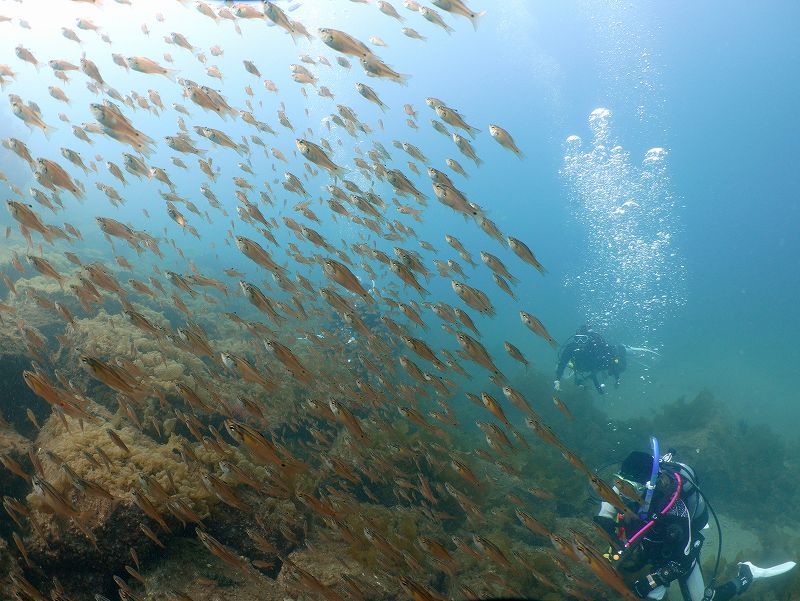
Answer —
387 413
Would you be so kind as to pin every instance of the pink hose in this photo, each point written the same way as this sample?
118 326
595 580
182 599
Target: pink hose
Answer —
662 512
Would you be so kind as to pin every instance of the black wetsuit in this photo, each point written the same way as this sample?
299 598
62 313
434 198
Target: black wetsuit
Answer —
670 549
590 354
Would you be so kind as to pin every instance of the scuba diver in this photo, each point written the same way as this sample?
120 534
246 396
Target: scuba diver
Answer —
663 530
587 354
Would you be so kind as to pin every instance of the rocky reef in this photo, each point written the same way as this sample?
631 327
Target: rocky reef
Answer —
155 497
343 545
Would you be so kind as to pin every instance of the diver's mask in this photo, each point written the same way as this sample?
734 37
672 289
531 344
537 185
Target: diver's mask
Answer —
629 486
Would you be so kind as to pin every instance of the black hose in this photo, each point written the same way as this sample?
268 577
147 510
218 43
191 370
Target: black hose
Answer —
716 521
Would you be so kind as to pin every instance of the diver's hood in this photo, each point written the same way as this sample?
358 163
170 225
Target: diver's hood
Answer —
637 467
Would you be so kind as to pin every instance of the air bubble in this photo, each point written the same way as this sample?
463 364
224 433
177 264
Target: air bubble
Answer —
628 211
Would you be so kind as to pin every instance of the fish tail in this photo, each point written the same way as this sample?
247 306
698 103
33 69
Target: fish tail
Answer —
48 130
295 35
145 150
46 234
83 518
474 18
171 74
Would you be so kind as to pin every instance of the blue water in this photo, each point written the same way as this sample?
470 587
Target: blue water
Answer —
711 84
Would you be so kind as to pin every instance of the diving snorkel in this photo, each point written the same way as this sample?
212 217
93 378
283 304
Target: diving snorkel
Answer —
644 509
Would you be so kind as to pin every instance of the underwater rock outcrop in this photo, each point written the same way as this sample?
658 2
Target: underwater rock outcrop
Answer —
113 489
112 336
328 563
745 464
14 465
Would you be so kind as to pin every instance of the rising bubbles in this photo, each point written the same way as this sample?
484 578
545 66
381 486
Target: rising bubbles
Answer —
632 276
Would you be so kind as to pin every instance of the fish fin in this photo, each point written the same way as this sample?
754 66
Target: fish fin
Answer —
48 130
145 150
47 236
474 18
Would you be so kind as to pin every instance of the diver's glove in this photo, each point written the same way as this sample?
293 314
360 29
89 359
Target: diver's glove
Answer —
557 385
661 577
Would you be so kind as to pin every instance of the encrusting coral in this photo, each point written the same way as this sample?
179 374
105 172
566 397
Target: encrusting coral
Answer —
146 459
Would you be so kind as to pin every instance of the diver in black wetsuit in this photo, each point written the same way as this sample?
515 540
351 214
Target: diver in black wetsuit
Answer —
665 536
588 354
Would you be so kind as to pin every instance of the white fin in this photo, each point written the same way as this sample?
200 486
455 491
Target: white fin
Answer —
768 572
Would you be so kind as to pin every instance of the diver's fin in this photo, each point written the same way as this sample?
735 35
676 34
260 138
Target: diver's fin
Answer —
768 572
641 349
